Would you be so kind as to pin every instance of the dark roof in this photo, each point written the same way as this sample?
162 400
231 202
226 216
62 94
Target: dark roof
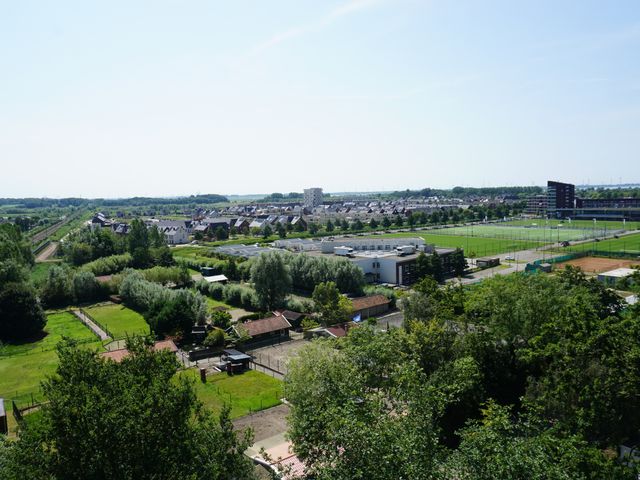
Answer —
235 355
361 303
291 315
337 330
266 325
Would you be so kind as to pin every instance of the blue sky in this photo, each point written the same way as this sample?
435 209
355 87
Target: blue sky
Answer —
163 98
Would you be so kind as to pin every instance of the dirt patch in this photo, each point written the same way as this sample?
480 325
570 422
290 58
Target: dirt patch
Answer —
266 423
598 265
277 356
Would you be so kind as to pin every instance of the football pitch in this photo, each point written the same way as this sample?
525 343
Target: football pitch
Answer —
497 238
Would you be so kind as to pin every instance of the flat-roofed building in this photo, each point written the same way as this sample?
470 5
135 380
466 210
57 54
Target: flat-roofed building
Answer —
312 197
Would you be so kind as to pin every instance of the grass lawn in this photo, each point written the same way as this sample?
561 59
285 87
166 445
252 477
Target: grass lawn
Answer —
216 303
40 270
23 366
479 246
245 393
119 320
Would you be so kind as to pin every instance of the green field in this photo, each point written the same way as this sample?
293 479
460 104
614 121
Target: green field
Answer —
216 303
24 366
600 224
625 244
245 393
40 270
473 246
540 233
118 320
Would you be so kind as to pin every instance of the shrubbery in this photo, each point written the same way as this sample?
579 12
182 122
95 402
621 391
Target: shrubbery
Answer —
109 265
166 310
241 296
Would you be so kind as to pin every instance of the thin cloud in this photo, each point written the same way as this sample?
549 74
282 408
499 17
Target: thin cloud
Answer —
344 10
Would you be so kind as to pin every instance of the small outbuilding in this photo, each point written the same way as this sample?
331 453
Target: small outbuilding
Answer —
269 330
487 262
235 361
370 306
216 279
611 277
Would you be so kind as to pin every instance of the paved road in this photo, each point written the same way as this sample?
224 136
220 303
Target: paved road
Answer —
87 321
47 253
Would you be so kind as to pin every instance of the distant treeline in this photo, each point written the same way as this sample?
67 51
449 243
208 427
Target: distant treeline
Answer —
462 192
609 193
112 202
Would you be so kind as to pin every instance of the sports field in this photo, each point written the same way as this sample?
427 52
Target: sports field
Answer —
24 366
589 224
629 244
539 233
119 321
473 246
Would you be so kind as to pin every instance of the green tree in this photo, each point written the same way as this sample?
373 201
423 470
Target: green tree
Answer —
215 338
139 244
221 319
331 305
458 262
127 420
499 447
386 223
398 221
344 224
85 287
267 232
57 289
21 315
271 279
357 225
222 233
281 230
313 228
329 227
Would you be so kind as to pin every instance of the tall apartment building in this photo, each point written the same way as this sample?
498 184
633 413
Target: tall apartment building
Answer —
312 197
561 197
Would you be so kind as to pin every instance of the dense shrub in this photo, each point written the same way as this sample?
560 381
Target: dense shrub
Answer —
142 295
85 287
109 265
179 276
57 289
215 338
306 272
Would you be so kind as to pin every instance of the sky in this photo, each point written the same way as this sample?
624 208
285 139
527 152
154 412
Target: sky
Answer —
164 98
